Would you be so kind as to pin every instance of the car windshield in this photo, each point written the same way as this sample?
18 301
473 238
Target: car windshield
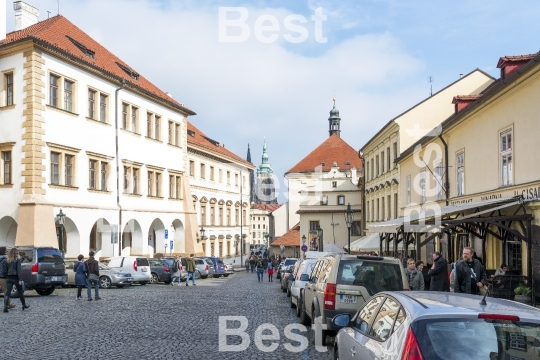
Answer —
102 266
49 255
377 275
449 339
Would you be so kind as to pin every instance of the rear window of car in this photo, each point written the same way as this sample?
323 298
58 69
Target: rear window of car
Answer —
142 262
49 255
27 255
219 261
447 339
210 262
167 262
290 262
199 262
383 276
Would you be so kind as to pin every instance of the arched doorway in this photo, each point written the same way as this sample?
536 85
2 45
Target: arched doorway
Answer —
101 230
72 239
179 236
132 239
8 231
156 237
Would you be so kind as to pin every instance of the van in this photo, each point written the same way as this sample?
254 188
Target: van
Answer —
137 266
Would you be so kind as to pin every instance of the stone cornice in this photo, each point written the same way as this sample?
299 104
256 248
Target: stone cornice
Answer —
100 156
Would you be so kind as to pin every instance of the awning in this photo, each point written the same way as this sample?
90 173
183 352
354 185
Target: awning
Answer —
332 248
423 219
367 243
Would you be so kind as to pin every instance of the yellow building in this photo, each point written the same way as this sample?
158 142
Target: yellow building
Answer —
473 180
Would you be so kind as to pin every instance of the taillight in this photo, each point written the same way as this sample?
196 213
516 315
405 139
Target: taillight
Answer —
411 351
206 268
166 268
135 265
330 296
35 269
498 317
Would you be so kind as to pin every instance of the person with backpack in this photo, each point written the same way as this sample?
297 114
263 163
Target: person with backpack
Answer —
270 268
92 277
176 272
260 269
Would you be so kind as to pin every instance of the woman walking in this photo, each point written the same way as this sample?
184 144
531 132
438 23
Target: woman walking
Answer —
270 271
3 273
80 275
12 268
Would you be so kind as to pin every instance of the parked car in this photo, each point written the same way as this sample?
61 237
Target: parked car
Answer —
107 277
300 280
43 269
160 269
341 283
291 277
436 325
229 269
137 266
278 272
205 267
217 263
285 277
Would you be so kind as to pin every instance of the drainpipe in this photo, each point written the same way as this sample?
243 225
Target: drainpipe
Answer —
446 177
122 83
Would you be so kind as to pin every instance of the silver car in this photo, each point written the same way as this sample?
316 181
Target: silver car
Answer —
107 277
204 269
438 325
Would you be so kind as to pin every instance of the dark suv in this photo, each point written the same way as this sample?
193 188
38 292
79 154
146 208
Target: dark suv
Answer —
43 269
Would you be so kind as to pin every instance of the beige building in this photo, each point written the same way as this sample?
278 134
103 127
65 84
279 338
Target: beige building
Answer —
382 173
261 223
487 150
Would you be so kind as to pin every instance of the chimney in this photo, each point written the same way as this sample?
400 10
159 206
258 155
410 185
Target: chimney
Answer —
25 15
462 101
3 16
509 64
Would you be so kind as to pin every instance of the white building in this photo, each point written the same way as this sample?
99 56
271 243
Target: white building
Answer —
261 224
220 192
61 146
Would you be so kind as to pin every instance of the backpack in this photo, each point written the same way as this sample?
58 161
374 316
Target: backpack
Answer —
259 264
175 266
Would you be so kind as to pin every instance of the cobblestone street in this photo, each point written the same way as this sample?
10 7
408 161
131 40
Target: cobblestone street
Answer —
150 322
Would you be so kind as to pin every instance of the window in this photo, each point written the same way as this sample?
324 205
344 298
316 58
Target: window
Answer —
235 179
220 220
341 200
334 184
382 162
158 184
377 165
53 90
8 80
356 228
438 179
134 112
178 185
171 125
220 175
244 216
259 226
149 125
177 135
125 108
324 200
382 208
388 158
135 181
460 162
506 158
395 206
55 164
6 167
372 169
203 214
91 103
212 215
388 199
363 319
92 174
203 171
157 124
408 185
68 95
150 183
383 324
171 186
191 168
103 107
254 226
126 178
237 217
377 213
367 170
372 210
228 178
228 217
68 170
395 153
211 173
103 173
422 186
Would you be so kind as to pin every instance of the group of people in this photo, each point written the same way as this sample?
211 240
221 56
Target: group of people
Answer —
468 275
11 276
177 270
263 265
87 274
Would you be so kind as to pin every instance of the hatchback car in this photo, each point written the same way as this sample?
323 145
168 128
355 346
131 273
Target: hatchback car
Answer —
341 283
137 266
229 269
440 326
160 269
107 277
300 280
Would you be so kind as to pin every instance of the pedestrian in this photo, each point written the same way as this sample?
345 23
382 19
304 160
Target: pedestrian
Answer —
3 274
270 271
92 277
265 263
415 277
177 272
190 267
12 267
438 273
470 274
260 269
80 275
501 271
453 277
252 263
247 265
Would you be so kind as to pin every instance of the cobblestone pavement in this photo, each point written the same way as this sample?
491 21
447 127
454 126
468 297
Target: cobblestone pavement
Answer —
150 322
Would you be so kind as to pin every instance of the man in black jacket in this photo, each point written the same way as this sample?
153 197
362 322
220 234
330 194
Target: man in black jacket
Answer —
470 274
439 273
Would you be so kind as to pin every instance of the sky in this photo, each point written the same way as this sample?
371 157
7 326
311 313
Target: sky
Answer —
375 56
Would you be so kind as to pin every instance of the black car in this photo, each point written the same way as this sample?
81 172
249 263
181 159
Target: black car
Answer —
160 270
43 269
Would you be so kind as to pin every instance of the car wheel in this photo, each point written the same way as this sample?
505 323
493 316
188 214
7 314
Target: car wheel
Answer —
143 283
291 303
314 315
298 307
167 282
282 288
45 292
226 275
204 277
104 282
288 292
119 286
336 353
154 279
304 319
197 275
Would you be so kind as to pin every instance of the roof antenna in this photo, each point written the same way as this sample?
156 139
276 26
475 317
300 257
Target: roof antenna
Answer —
483 302
430 85
58 2
48 14
460 76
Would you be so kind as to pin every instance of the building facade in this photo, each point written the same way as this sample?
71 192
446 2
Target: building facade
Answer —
84 133
220 193
260 223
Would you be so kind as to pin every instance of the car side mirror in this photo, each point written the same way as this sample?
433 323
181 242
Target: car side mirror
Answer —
341 320
304 277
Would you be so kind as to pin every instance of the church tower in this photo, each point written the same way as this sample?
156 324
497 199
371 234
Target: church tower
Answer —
334 121
266 192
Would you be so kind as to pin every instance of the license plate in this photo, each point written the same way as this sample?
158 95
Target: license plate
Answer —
347 299
57 278
144 269
130 279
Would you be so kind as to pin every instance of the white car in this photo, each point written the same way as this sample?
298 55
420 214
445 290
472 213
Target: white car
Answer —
137 266
300 281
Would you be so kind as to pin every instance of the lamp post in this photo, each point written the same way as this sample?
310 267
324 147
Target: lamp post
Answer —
202 234
349 217
266 235
61 218
320 237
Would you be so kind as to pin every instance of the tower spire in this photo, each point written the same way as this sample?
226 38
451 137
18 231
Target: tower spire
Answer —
334 120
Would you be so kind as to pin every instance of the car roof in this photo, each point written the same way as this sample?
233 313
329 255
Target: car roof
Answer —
435 304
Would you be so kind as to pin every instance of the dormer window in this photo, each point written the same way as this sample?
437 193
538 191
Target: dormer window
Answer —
323 164
86 51
191 133
128 71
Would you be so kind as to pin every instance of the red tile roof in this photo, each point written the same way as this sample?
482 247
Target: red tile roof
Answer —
332 149
196 137
290 238
54 33
268 207
518 58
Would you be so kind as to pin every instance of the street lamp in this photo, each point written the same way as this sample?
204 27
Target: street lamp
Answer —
266 235
61 218
320 237
202 234
349 217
